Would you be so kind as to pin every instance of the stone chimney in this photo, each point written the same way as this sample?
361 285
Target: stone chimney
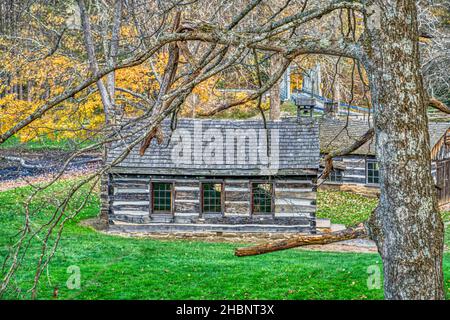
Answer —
305 107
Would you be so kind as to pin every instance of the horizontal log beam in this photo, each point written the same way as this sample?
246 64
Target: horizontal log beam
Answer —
298 241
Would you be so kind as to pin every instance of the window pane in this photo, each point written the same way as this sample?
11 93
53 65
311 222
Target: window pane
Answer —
262 197
162 196
335 176
373 173
212 197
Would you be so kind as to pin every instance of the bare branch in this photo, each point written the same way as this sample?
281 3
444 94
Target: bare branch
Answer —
328 158
439 105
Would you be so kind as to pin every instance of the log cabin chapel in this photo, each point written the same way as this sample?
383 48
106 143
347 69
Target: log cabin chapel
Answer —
218 175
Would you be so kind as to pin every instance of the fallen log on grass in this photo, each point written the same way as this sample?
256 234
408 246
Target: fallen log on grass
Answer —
298 241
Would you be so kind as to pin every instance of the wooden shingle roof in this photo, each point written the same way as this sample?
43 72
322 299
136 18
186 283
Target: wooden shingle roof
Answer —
294 147
437 131
336 133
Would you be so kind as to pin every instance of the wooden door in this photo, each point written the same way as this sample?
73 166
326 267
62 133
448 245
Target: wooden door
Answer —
443 181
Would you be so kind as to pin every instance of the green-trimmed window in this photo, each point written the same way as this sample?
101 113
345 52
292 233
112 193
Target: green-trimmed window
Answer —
162 197
262 197
212 197
373 172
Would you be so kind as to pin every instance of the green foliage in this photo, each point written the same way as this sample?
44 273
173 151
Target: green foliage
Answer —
344 207
45 143
446 216
113 267
349 208
289 107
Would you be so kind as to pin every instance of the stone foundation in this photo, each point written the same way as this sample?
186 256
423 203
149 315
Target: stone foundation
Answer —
231 237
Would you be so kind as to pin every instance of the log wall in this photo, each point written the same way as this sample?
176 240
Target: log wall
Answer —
355 170
294 201
354 176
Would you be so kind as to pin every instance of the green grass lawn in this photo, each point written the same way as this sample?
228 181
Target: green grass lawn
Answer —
344 207
129 268
349 208
44 143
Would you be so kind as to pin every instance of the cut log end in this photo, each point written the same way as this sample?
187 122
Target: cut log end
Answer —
303 240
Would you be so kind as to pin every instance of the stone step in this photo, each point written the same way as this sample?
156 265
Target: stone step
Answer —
323 223
337 227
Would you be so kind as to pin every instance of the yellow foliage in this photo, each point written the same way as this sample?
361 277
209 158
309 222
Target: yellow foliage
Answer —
43 79
38 81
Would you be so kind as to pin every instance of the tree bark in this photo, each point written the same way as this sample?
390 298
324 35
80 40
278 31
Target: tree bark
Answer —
90 50
406 226
275 103
111 59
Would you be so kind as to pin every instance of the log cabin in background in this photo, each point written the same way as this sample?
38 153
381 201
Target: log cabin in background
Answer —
359 172
218 175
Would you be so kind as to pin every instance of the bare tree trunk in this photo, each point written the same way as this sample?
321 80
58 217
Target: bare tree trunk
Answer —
90 49
406 225
107 92
275 104
112 58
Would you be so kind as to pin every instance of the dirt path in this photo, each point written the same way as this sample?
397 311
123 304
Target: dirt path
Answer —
26 181
18 169
356 245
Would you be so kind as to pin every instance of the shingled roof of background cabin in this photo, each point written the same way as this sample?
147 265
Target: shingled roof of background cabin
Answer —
437 131
335 133
298 149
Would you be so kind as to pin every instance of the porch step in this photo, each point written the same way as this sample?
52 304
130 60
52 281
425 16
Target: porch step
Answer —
323 223
154 227
337 227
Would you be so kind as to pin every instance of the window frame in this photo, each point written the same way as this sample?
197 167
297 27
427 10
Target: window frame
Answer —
341 175
172 197
222 196
372 161
272 196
